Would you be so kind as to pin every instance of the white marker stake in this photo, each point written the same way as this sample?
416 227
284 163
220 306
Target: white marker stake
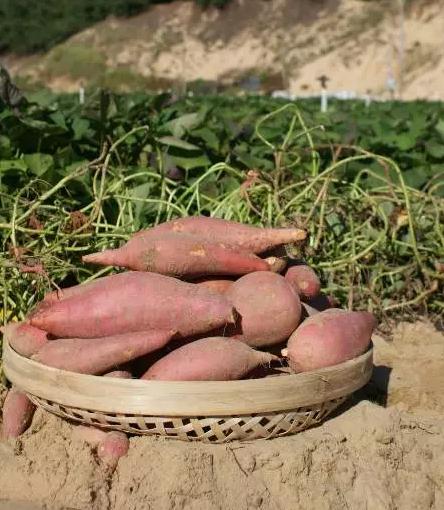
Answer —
324 101
81 95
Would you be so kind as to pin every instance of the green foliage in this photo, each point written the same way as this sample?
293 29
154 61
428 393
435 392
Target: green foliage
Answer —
376 227
27 26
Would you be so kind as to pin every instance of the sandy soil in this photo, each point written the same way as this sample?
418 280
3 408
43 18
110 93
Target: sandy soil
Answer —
366 456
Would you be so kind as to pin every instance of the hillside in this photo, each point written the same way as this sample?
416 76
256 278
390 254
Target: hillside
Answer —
282 44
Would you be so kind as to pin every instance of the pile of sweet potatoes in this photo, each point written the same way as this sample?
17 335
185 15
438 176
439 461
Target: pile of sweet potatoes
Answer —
200 299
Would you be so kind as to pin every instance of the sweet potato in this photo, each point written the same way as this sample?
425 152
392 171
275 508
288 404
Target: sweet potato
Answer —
328 338
90 435
135 301
119 374
75 290
24 338
304 281
269 309
214 284
18 411
230 233
208 359
98 355
175 254
113 446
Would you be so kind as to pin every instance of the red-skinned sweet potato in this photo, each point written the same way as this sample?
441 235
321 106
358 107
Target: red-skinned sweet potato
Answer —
216 285
135 301
99 355
90 435
230 233
24 338
119 374
181 255
18 411
304 280
208 359
269 309
113 446
75 290
328 338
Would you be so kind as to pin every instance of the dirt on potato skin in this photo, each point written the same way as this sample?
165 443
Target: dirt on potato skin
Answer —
366 456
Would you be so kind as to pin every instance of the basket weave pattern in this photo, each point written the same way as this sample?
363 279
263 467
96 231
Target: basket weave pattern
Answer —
208 429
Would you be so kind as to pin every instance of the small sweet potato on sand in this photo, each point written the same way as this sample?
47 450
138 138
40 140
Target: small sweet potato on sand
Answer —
18 411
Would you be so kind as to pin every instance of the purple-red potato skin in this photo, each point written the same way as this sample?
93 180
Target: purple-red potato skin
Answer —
18 411
175 254
99 355
329 338
24 338
135 301
268 307
304 280
119 374
90 435
276 264
230 233
208 359
75 290
113 446
218 286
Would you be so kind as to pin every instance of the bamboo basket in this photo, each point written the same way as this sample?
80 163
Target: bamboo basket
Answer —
199 410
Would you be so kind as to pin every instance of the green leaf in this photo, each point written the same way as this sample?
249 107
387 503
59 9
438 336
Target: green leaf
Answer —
440 127
435 149
172 141
39 163
80 127
141 192
179 127
191 162
405 141
207 136
13 164
5 147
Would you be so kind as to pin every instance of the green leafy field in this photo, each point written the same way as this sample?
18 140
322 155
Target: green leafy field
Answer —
367 183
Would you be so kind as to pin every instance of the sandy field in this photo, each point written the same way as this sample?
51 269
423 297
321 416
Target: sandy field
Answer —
383 450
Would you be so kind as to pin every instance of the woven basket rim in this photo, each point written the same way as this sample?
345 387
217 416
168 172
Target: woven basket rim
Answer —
190 398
